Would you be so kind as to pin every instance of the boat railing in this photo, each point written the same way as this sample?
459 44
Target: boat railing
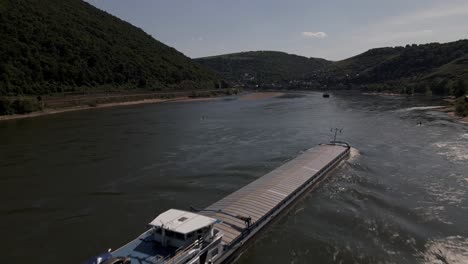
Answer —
339 143
183 252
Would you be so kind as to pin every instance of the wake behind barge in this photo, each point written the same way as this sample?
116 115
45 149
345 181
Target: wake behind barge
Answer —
215 234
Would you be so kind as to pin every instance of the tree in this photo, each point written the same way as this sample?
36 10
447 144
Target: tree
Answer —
439 87
459 89
73 45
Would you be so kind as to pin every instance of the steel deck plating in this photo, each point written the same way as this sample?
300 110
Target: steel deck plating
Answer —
261 198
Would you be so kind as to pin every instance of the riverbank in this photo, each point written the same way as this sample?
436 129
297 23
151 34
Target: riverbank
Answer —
51 111
450 111
384 94
261 95
90 102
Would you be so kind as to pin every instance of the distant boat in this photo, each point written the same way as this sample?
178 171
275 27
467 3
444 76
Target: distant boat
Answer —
325 95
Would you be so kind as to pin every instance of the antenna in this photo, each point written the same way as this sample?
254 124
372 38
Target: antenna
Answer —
340 130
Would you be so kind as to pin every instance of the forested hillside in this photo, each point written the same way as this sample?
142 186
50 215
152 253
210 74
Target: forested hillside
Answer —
430 68
262 67
50 46
433 68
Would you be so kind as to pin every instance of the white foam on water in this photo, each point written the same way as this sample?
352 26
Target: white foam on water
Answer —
442 195
454 150
450 195
433 213
449 250
420 108
353 154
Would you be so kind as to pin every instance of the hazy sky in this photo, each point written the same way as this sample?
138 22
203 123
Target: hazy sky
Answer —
332 29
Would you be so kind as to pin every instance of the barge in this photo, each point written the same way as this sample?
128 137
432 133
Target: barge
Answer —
217 233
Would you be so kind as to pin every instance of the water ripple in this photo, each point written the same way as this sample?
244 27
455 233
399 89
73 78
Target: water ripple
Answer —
449 250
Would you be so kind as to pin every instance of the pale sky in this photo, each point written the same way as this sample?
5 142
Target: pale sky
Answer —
332 29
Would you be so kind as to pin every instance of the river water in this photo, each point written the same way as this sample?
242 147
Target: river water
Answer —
74 184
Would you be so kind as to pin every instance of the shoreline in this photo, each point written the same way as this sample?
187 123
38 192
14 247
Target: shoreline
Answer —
450 112
385 94
260 95
52 111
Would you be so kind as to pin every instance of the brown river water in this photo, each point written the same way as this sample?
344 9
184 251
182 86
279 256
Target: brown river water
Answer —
74 184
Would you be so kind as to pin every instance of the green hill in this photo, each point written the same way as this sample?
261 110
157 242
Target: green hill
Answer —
264 68
364 61
50 46
415 68
429 68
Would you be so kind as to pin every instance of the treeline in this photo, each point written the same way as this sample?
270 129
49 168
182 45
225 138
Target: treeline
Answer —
430 68
20 105
10 105
262 67
427 69
54 46
461 106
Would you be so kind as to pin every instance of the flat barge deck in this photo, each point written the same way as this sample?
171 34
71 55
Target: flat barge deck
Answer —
268 196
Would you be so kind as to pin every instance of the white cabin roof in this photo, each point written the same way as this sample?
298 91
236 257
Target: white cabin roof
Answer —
181 221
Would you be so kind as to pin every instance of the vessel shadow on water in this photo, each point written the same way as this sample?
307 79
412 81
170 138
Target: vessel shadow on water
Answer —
219 232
